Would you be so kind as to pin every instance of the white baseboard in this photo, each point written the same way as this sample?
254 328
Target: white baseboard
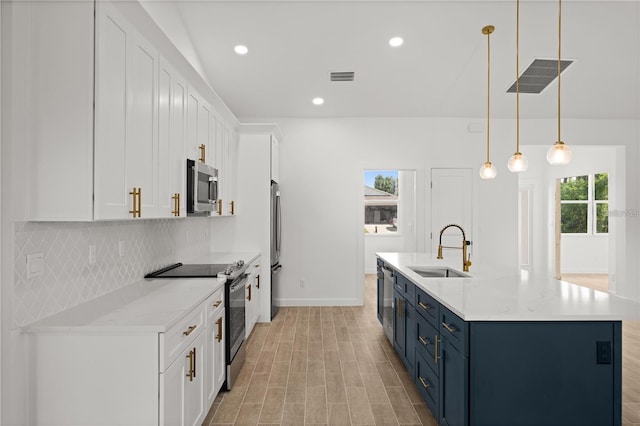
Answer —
583 271
317 302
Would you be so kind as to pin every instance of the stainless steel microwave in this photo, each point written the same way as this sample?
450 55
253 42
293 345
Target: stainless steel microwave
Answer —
202 188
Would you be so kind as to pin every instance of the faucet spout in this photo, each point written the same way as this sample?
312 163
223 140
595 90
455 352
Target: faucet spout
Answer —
466 260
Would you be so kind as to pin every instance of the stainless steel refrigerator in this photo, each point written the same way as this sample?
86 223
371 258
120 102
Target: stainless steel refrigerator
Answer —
276 238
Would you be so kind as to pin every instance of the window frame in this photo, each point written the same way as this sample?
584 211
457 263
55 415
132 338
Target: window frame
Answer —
592 206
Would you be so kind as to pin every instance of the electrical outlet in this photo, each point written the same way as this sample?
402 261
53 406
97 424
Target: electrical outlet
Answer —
35 265
604 352
92 255
121 248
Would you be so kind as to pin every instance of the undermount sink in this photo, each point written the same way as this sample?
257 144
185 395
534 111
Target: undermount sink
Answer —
437 272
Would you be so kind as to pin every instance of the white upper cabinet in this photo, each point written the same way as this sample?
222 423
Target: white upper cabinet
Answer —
110 120
113 108
172 116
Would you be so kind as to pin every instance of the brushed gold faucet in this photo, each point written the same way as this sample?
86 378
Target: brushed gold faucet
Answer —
466 260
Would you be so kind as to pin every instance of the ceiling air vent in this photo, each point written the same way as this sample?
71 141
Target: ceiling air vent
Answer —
539 75
341 75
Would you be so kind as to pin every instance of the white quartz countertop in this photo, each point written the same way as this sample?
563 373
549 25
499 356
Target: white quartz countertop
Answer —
490 294
146 306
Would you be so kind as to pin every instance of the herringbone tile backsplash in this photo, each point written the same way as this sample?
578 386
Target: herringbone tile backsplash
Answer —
69 279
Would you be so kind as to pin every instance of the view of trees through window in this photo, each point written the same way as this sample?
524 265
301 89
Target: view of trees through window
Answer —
585 204
381 201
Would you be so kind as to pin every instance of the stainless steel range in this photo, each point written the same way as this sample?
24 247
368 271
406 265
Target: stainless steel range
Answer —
234 308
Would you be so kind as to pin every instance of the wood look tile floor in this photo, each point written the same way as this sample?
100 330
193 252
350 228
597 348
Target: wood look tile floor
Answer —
335 366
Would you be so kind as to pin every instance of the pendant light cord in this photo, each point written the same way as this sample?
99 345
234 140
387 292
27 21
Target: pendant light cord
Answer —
488 89
559 56
517 77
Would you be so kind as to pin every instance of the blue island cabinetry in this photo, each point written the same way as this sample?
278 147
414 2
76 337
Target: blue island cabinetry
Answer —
508 372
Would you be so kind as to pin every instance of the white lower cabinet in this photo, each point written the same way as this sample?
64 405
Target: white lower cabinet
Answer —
215 337
129 375
252 294
182 387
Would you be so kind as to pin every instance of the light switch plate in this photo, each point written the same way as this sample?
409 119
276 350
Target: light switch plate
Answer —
35 265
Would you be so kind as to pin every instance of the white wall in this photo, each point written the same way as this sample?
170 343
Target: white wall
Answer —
321 166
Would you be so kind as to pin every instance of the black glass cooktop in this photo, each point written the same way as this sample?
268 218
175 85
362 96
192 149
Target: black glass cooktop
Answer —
180 270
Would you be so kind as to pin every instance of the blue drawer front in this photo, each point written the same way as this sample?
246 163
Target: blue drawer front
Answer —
455 330
427 384
425 341
406 288
427 306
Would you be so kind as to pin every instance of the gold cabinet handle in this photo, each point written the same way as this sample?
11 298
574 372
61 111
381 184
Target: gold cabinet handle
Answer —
449 328
424 341
249 288
424 306
436 356
233 207
424 382
400 308
219 207
176 204
202 152
191 357
219 335
195 362
136 201
218 302
189 330
258 281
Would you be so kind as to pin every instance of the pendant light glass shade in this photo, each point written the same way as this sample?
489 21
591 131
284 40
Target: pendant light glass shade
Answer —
488 170
518 162
559 154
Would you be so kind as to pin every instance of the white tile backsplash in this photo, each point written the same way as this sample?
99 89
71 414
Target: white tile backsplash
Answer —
69 279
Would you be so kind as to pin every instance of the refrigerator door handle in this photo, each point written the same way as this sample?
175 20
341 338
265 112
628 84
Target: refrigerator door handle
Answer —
278 222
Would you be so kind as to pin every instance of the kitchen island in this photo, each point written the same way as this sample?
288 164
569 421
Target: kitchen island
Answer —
498 348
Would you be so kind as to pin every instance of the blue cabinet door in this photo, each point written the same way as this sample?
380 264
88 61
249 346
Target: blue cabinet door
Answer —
454 381
411 336
399 336
380 295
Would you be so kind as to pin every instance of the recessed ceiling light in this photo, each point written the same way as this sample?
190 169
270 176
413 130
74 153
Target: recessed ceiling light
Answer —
241 50
396 41
317 101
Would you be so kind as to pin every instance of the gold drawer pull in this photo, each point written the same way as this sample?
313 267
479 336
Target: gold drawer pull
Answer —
249 288
258 281
233 207
424 306
450 329
424 382
436 357
189 330
424 341
219 207
400 308
136 202
202 152
176 204
219 335
218 302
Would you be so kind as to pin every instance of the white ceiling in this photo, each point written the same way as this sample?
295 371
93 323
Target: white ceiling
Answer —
440 71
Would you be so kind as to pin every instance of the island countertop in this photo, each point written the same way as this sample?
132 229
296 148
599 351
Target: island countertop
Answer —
490 294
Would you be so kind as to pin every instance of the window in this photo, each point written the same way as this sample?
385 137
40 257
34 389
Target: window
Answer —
584 204
381 202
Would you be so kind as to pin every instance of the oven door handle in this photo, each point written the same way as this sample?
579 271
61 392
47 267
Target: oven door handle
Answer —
239 283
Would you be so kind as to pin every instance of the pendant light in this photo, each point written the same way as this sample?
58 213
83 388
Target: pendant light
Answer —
518 162
559 153
488 170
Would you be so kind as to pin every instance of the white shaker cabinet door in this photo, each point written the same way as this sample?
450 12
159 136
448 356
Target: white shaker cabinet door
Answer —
142 147
112 111
172 108
216 366
182 396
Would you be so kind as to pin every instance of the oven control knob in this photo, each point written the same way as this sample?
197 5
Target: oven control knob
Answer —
228 270
240 263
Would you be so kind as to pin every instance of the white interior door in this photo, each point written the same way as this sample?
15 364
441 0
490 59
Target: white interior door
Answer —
451 203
